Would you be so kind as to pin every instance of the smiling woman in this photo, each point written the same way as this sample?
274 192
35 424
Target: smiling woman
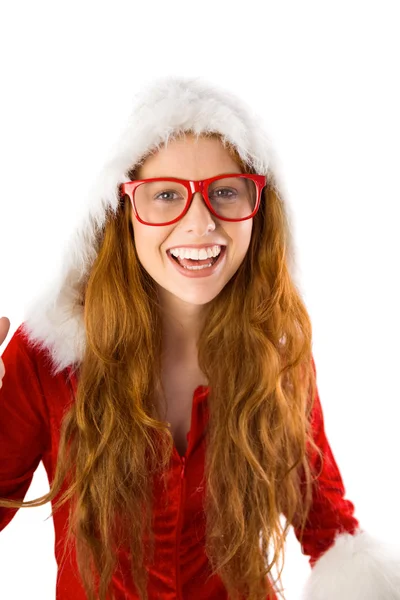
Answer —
176 411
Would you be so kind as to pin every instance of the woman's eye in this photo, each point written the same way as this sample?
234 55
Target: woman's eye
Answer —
225 193
164 195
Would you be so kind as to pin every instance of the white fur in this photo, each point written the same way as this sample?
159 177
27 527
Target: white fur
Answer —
356 567
166 107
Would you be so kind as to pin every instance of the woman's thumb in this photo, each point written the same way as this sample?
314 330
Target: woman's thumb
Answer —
4 328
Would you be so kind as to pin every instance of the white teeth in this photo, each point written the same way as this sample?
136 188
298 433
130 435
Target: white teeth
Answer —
195 254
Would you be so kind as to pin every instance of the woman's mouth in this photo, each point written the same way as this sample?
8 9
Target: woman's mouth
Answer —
201 268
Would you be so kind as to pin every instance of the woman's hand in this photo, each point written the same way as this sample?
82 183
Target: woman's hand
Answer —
4 328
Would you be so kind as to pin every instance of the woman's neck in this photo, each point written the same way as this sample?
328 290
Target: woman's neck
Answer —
180 336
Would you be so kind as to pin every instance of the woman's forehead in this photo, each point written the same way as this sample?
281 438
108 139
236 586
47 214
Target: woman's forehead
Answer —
191 153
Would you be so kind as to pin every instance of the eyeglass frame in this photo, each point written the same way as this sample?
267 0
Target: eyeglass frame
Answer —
201 185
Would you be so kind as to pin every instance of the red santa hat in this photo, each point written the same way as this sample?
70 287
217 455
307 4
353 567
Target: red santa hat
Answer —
355 566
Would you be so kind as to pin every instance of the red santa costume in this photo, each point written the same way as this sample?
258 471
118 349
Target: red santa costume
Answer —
347 563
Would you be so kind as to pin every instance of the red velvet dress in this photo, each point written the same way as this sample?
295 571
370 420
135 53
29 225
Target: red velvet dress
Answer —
32 404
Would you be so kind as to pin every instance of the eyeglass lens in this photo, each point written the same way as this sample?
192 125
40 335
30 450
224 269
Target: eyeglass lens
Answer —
163 201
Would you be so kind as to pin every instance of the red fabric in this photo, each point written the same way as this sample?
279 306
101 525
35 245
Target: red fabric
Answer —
32 404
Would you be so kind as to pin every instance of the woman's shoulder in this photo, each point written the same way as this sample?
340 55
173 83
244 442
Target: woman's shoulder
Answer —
26 359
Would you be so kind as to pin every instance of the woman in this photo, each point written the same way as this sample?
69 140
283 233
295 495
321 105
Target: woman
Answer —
167 379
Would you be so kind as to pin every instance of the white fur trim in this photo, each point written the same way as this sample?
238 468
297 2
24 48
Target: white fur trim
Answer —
356 567
165 108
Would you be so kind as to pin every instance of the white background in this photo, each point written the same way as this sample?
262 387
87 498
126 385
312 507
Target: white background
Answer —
325 79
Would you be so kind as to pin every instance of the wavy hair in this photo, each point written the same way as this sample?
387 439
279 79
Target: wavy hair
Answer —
259 438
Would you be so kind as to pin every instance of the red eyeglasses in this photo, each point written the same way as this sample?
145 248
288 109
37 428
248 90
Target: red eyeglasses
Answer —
165 200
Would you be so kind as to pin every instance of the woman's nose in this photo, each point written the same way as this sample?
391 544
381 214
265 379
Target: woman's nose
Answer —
198 211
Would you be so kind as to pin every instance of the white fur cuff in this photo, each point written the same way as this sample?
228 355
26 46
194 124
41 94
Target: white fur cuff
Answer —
356 567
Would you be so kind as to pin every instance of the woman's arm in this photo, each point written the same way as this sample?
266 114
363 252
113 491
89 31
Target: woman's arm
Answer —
347 563
24 431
